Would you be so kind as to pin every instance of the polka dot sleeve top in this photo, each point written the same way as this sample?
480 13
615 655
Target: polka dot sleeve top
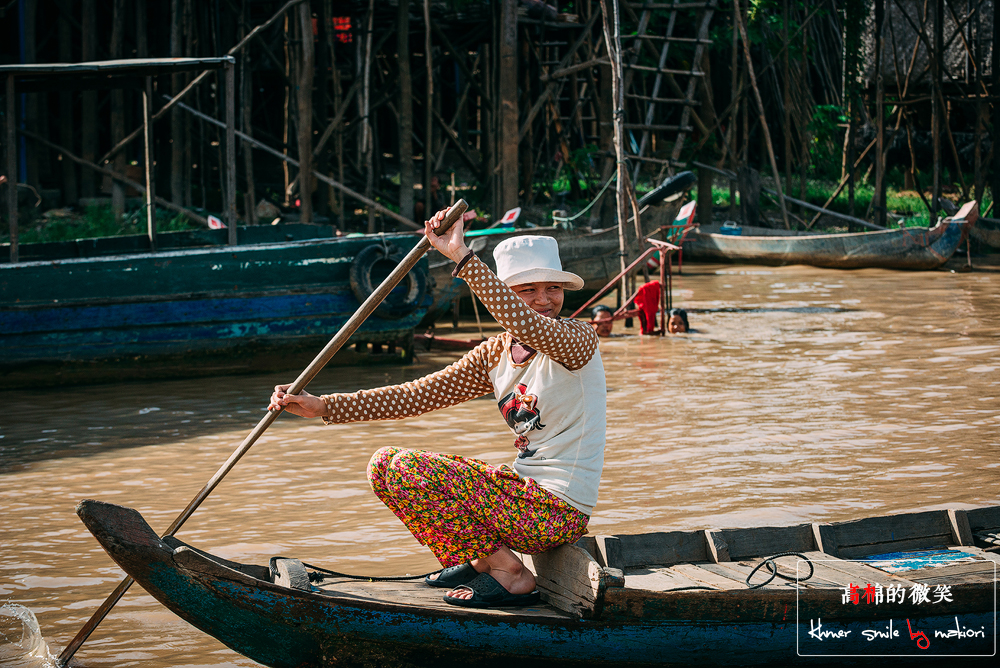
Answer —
571 343
466 379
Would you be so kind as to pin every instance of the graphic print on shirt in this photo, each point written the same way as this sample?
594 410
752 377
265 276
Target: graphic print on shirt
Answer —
522 414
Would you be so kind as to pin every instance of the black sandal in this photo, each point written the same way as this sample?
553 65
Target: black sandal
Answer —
453 576
488 593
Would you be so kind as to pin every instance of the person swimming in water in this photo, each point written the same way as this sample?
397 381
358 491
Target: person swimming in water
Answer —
647 300
677 321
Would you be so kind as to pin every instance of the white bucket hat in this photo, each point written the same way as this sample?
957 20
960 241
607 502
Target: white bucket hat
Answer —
532 259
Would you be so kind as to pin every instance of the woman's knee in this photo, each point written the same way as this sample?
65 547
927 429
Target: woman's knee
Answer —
378 466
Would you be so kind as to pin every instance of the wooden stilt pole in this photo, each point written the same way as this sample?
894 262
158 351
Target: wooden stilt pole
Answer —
612 39
177 156
304 103
147 124
229 173
980 113
33 105
787 94
734 119
10 149
763 120
367 139
878 201
995 91
937 111
118 109
508 105
67 122
286 108
88 99
406 175
246 121
428 112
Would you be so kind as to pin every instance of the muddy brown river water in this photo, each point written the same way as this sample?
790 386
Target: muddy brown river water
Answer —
803 395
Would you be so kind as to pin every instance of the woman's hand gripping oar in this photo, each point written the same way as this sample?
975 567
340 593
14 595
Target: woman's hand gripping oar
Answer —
381 292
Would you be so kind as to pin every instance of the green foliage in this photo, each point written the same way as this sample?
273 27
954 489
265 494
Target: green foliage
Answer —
97 221
827 139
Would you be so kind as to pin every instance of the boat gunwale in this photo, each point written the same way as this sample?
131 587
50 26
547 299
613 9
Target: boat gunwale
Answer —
202 250
838 235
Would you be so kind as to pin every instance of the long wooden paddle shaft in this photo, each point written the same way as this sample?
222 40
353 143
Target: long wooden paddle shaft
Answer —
335 344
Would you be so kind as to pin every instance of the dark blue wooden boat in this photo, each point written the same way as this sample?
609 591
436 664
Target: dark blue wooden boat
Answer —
671 598
106 310
907 248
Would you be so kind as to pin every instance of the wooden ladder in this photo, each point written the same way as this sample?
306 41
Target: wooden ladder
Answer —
683 97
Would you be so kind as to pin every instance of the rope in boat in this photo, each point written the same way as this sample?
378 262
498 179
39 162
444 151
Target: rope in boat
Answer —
773 568
323 572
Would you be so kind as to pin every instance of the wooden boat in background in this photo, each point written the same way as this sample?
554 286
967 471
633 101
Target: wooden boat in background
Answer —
669 598
906 248
987 232
108 309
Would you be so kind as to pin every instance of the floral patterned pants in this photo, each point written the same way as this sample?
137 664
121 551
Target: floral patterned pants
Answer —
465 509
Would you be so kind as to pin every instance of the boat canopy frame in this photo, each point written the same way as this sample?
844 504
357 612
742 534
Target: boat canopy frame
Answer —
135 73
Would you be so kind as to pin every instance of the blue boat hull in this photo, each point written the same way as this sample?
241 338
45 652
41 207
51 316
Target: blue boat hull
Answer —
282 627
191 303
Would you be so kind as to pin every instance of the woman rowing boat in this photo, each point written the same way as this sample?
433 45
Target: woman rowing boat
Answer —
548 379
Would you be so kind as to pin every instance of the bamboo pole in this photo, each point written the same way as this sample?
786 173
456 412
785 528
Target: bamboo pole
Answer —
763 119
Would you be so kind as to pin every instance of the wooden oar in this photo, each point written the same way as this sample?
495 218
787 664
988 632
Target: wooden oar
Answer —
454 213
